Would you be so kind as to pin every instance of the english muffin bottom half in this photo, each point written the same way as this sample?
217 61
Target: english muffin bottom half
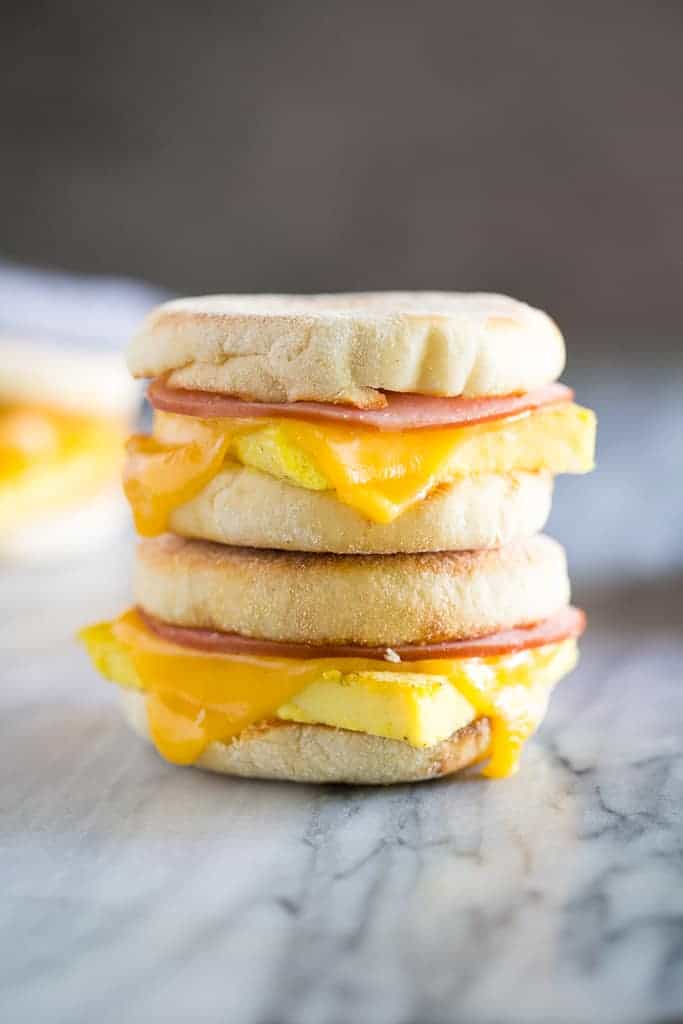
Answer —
363 669
246 507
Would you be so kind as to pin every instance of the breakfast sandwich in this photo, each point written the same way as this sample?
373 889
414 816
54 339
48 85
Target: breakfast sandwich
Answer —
372 423
65 412
368 668
341 576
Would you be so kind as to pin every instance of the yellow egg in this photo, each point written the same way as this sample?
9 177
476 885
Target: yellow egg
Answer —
272 452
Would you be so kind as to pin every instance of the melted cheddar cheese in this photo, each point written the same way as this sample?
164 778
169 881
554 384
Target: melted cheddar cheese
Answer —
195 698
49 459
378 473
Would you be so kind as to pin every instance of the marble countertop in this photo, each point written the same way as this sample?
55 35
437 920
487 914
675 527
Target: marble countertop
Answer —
140 892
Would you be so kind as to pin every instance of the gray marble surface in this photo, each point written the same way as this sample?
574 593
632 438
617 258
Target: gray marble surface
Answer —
134 891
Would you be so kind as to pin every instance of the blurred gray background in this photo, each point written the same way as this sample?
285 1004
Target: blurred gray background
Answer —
531 147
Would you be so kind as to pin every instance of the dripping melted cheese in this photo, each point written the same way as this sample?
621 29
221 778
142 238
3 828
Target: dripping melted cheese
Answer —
195 698
378 473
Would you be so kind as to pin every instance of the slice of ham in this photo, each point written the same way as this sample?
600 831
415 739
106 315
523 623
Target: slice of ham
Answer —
402 412
568 622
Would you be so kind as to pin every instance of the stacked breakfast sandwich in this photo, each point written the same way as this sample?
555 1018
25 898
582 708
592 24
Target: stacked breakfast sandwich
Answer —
342 576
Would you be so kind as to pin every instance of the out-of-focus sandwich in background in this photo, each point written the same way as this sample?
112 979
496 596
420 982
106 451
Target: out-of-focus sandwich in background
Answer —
66 407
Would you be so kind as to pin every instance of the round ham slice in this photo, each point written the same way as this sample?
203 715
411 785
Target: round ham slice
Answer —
402 412
568 622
